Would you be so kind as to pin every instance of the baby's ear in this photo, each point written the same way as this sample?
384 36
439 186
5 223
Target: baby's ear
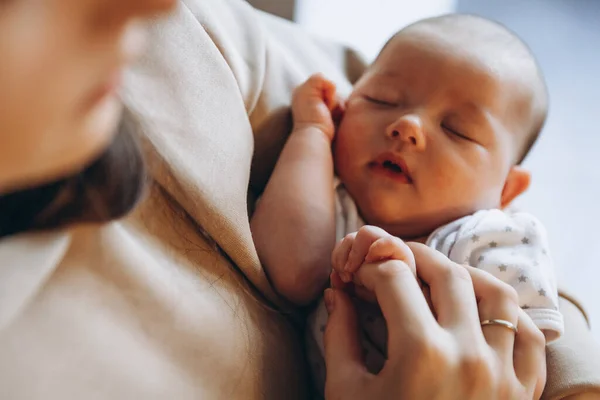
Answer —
517 182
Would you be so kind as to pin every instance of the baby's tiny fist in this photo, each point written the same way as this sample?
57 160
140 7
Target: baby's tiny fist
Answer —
363 241
390 248
339 256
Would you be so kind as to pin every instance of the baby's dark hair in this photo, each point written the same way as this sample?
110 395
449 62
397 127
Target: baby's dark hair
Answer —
483 30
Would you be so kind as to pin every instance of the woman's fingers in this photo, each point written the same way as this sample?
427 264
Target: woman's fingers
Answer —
401 301
462 360
449 285
343 353
529 356
496 300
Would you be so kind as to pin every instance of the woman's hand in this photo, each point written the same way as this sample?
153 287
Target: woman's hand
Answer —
315 105
441 355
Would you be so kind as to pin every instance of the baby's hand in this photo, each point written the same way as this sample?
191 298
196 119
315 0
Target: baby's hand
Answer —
369 244
314 104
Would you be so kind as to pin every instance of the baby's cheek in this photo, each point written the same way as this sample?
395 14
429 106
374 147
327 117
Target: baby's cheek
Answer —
444 180
452 188
348 144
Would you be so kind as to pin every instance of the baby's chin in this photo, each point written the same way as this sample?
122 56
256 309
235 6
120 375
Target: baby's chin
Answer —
410 227
405 227
407 231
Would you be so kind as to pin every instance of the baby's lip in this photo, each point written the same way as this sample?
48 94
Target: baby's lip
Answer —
394 163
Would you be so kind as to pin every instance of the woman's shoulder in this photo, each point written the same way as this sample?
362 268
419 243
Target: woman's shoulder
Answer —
27 260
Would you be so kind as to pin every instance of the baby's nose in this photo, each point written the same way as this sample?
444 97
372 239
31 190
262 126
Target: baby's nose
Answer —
408 129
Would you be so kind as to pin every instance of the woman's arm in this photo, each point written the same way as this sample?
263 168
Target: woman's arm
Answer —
293 225
574 360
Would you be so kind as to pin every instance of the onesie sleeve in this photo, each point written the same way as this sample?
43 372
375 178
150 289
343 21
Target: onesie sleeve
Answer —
513 247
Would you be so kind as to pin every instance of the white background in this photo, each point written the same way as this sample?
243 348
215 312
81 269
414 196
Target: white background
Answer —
365 24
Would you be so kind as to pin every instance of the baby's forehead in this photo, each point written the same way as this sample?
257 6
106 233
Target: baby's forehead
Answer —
476 50
494 65
481 47
414 57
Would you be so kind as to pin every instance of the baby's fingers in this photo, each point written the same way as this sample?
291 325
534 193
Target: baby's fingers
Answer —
339 257
338 110
365 237
328 93
390 248
317 87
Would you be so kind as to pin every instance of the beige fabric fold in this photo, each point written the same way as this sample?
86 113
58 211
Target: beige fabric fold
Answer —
187 103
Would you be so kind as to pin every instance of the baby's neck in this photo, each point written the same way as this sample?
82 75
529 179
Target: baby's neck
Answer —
405 234
412 231
420 239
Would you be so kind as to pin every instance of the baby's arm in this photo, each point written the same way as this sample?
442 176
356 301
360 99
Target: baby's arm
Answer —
513 247
293 225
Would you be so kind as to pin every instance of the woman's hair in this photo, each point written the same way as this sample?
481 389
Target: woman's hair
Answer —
106 189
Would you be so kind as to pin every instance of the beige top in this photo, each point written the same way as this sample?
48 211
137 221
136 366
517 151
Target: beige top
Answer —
149 307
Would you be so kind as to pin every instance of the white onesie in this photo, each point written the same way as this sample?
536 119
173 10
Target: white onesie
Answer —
512 246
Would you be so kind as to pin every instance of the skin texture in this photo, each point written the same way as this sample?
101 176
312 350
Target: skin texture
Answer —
60 62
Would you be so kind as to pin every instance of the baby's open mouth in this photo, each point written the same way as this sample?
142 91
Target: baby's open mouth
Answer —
393 166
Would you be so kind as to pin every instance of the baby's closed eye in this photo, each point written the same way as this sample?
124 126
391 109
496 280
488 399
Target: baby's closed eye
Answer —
454 130
380 101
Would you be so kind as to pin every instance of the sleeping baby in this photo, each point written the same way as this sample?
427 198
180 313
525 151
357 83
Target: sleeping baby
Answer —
428 147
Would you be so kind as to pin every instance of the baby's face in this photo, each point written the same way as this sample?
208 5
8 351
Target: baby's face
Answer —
430 134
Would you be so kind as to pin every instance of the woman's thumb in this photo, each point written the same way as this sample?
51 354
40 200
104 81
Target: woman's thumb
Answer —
343 354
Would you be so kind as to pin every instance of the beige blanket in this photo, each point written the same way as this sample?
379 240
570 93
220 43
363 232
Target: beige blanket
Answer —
172 302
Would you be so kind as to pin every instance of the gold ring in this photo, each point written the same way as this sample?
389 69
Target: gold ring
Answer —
500 322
